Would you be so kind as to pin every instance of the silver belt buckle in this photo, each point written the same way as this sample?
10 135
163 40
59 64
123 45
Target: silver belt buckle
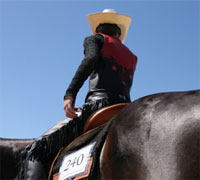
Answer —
122 97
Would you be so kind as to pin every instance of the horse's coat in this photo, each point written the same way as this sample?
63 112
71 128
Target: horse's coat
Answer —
10 150
156 137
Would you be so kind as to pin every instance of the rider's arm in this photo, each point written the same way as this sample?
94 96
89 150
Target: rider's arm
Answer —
92 47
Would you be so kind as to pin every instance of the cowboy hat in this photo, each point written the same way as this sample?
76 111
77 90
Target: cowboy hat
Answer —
110 16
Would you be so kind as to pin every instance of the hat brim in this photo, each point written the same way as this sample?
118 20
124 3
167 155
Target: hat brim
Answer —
123 21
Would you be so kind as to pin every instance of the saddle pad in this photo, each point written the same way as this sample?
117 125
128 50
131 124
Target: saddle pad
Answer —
80 159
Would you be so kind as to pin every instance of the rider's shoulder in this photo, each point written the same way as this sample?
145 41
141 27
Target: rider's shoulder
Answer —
95 38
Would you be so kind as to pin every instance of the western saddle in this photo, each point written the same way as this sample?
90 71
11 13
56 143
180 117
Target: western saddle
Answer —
103 116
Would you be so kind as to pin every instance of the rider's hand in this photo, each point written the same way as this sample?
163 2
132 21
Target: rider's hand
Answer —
69 107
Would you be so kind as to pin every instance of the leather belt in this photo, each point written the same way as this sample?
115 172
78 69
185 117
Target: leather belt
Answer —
100 95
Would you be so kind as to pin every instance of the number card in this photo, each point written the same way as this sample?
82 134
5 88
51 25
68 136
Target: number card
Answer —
76 163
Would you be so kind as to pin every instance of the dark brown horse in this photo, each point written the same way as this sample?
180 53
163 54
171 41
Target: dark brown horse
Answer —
10 150
155 137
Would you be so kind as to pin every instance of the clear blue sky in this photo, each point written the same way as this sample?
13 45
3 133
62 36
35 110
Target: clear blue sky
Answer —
41 48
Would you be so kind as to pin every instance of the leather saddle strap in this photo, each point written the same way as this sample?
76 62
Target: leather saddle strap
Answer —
52 165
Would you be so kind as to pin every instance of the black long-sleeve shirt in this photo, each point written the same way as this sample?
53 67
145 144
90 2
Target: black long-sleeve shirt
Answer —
92 46
109 63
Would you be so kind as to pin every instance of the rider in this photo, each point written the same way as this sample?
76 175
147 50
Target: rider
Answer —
110 65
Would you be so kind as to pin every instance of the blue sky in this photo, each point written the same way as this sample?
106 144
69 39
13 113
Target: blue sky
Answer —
41 46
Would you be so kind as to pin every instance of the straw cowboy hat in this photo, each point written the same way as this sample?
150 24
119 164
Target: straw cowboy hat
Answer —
110 16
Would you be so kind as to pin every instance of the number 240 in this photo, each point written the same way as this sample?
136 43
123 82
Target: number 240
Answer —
76 161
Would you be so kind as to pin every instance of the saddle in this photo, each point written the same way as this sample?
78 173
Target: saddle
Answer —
103 116
95 132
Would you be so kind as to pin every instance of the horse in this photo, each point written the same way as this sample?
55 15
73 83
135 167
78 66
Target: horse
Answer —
154 137
10 151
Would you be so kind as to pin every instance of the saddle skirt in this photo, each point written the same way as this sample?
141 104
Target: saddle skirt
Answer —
79 159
